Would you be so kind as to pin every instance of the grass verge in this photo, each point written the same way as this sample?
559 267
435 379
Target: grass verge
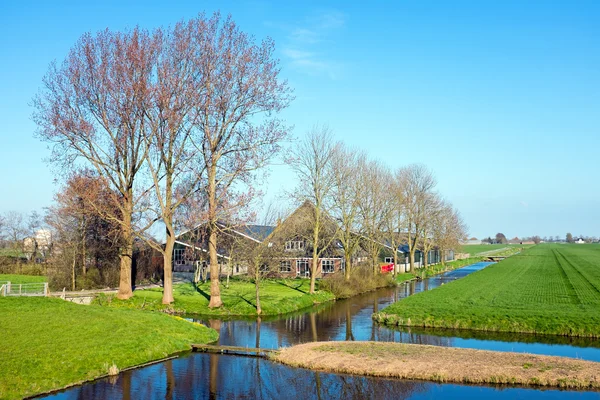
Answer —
277 296
14 278
547 289
48 343
442 364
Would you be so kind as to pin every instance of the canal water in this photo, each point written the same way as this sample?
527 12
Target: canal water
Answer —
199 375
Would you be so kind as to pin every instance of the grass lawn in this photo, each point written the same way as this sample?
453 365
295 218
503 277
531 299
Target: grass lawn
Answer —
546 289
50 343
475 249
278 296
12 278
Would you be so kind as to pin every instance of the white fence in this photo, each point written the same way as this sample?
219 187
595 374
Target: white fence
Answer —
23 289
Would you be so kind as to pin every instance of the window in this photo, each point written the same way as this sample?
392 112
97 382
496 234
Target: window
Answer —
294 245
285 266
178 256
264 268
302 268
389 260
328 266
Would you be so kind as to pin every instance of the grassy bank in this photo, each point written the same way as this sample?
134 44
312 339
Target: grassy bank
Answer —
546 289
475 249
50 343
442 364
278 296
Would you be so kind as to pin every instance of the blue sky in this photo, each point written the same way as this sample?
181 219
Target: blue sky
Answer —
500 99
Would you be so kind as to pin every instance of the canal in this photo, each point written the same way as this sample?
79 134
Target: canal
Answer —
200 375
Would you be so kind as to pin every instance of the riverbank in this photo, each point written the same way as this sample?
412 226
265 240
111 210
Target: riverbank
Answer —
546 289
442 364
278 296
48 344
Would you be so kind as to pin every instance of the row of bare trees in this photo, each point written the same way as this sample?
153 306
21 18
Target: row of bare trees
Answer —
163 117
371 205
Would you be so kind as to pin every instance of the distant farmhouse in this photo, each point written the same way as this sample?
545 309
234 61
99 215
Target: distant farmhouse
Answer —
472 240
290 236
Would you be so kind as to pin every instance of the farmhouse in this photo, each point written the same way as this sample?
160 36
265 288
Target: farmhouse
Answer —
290 242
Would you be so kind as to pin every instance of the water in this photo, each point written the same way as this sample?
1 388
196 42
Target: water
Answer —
199 375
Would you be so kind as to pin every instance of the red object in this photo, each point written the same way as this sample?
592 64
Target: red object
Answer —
387 268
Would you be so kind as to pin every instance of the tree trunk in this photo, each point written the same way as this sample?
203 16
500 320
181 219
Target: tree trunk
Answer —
425 258
126 252
73 270
257 287
315 256
168 264
215 291
412 260
348 262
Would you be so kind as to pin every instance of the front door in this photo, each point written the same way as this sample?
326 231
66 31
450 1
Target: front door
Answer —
302 268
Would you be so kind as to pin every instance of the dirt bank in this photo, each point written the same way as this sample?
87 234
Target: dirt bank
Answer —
442 364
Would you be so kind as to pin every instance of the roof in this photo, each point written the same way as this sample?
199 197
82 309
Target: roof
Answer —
258 232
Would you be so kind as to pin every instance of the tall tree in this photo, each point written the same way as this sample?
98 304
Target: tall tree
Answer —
92 109
501 238
395 216
449 230
569 237
372 204
418 184
345 201
312 162
237 115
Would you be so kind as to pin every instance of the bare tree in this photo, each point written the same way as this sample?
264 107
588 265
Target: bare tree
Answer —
433 206
372 204
417 183
15 231
449 230
242 85
345 201
92 109
395 223
312 161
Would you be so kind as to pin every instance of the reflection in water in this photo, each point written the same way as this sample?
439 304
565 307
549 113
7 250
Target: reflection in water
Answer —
254 378
216 376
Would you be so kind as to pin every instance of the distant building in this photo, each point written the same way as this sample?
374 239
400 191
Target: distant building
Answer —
579 240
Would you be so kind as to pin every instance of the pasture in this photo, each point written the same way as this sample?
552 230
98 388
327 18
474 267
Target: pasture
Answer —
546 289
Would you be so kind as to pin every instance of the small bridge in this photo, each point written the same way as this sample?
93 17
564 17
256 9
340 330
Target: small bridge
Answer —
234 350
494 258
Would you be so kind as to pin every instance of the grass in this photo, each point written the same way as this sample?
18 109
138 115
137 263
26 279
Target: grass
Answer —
50 343
13 278
278 296
546 289
404 277
442 364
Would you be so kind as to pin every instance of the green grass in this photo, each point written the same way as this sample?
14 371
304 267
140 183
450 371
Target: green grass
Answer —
13 278
475 249
404 277
278 296
49 343
546 289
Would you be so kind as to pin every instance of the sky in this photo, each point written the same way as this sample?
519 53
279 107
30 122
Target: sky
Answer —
500 99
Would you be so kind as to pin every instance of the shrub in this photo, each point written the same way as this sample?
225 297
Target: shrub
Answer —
361 280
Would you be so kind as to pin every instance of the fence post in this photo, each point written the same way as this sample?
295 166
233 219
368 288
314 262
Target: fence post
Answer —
20 288
46 292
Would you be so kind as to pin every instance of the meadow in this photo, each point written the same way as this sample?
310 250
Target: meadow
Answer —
50 343
545 289
278 296
476 249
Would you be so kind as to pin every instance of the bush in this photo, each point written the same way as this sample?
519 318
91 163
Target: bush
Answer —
361 280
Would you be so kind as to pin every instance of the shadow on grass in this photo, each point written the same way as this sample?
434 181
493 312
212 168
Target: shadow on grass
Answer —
202 292
247 301
297 288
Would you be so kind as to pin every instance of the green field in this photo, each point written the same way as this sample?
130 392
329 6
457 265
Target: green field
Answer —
546 289
22 278
49 343
475 249
278 296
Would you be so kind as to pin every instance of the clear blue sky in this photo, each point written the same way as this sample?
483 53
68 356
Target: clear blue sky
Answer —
501 99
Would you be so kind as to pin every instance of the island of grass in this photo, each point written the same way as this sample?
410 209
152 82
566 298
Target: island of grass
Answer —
47 344
442 364
278 296
546 289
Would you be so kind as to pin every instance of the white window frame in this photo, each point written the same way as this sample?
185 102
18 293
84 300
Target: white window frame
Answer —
179 256
307 273
294 245
389 260
330 264
285 266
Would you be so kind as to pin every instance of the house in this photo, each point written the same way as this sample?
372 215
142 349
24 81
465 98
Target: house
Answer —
579 240
471 241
